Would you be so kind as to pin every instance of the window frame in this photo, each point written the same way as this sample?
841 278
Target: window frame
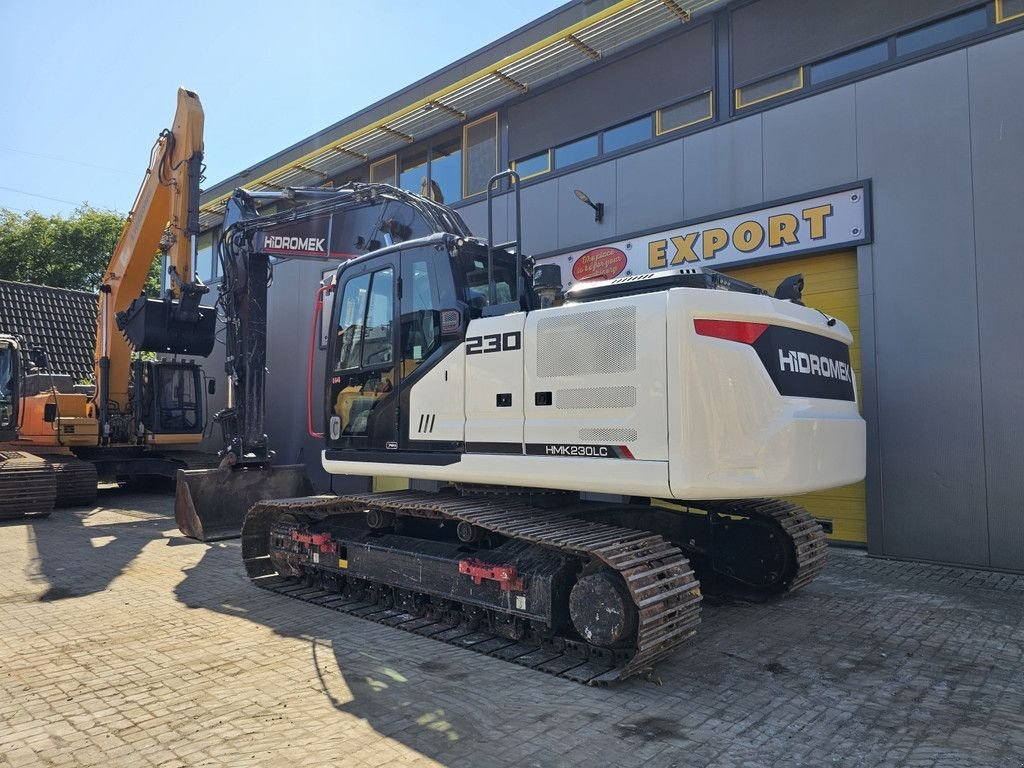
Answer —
393 159
547 167
466 194
1001 18
739 104
661 131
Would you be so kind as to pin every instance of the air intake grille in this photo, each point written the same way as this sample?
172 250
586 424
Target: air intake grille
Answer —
596 397
603 341
608 435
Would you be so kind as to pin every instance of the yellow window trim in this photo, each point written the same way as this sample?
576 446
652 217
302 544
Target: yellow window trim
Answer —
465 152
1001 17
659 131
393 159
738 92
547 154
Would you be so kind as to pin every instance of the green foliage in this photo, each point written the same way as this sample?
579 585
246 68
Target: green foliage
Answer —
70 252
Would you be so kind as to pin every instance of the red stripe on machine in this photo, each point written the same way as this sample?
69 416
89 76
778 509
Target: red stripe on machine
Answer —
731 330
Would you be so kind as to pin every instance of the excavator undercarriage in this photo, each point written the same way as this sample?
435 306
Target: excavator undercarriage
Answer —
589 591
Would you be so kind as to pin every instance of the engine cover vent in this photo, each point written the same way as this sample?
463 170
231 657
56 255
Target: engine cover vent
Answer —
608 435
596 397
585 343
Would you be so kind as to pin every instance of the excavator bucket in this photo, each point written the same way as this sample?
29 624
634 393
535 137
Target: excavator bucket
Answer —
153 325
211 504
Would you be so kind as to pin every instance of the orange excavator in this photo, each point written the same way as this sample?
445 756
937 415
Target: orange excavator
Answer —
141 417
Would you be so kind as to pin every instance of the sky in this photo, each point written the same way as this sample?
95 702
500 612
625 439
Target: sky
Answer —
87 87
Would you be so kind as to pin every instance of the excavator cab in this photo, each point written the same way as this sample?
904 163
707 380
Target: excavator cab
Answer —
8 388
170 397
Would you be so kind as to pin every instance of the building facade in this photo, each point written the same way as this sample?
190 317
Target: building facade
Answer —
876 148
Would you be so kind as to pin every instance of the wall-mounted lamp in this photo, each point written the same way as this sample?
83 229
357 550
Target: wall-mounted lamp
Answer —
598 207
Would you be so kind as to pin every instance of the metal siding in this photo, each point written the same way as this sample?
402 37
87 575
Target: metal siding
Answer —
649 188
810 144
540 217
869 403
576 219
722 168
475 216
774 35
914 142
997 138
670 70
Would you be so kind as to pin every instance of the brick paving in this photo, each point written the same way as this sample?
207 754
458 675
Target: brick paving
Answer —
123 644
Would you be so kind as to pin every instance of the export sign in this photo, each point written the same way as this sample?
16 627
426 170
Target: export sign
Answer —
826 221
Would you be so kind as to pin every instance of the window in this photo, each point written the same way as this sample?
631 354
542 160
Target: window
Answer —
853 61
364 321
377 342
414 173
941 32
7 382
770 88
480 147
474 270
205 264
385 171
1007 10
446 170
533 165
576 151
627 134
685 113
179 406
421 303
350 322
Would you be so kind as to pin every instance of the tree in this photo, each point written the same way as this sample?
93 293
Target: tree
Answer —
61 252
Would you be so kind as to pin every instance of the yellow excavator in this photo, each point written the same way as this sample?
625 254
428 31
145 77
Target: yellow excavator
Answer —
141 417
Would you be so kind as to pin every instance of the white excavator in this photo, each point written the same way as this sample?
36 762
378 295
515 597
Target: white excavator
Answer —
582 463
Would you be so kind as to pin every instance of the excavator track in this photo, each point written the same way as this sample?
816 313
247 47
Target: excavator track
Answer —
804 549
28 487
76 481
660 583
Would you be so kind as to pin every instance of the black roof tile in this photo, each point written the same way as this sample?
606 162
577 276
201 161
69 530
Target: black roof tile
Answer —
60 320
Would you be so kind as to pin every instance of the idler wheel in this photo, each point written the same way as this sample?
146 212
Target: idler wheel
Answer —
601 609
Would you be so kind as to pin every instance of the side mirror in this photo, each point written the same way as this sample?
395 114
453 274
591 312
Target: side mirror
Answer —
547 283
50 413
39 358
211 387
791 289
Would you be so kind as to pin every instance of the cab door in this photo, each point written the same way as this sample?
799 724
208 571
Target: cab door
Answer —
362 408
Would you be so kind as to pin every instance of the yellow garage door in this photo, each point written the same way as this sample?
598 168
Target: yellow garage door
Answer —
830 284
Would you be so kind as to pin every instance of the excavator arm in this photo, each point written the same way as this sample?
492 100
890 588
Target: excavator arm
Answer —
164 219
316 224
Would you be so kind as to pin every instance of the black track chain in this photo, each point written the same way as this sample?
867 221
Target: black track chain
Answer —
658 576
810 546
27 486
76 481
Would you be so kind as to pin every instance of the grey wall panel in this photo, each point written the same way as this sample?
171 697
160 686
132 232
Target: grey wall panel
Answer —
540 217
773 35
475 216
914 142
576 219
869 400
722 168
654 77
997 151
810 144
649 188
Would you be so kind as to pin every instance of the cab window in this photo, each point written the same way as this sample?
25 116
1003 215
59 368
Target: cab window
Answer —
364 321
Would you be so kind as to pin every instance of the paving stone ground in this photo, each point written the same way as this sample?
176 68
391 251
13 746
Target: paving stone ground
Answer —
123 644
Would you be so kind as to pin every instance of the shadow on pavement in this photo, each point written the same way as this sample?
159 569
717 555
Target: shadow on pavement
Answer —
447 703
78 554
